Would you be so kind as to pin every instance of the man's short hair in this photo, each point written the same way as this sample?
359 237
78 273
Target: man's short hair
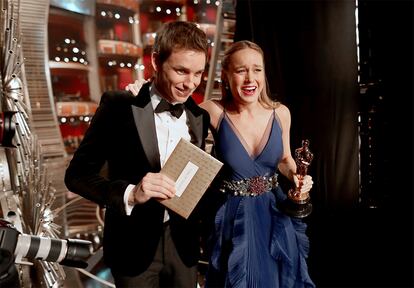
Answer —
179 35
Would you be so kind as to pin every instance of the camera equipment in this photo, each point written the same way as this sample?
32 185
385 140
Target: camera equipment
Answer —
69 252
7 128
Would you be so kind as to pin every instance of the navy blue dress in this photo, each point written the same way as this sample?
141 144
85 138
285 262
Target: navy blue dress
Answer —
254 244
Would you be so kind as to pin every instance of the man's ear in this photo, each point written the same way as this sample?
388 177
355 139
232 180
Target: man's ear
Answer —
155 61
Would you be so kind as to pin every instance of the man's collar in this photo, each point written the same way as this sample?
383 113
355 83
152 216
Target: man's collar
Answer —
155 96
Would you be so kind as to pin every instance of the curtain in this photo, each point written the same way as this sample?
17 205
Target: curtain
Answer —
311 65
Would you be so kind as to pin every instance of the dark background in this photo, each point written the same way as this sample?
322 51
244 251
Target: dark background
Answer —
358 118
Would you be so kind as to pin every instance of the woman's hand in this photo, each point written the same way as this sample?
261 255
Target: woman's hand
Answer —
303 186
303 183
136 86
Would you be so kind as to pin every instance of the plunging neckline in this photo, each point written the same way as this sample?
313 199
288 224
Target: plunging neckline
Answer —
242 141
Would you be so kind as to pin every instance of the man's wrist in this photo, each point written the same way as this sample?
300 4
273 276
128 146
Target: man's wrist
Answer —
129 205
131 197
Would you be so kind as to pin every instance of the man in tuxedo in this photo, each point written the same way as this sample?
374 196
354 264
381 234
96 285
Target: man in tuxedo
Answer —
144 244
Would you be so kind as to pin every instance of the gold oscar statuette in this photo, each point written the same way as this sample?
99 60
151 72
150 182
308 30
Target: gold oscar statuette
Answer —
298 204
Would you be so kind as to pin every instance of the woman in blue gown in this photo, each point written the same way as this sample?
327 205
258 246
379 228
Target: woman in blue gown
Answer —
254 244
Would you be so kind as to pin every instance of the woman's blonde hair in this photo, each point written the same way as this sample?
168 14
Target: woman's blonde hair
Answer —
264 98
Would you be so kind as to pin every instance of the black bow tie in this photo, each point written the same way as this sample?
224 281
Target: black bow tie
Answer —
175 109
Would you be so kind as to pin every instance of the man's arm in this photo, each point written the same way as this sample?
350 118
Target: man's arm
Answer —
83 174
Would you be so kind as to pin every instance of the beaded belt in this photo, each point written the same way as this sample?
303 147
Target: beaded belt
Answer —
253 186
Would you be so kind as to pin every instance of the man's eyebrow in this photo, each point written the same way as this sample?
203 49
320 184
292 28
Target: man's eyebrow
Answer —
180 67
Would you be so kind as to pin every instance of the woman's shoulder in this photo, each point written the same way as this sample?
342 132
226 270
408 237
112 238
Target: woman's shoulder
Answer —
282 111
215 108
283 114
212 105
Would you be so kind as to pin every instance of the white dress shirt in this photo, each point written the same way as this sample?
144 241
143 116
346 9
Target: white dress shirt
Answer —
169 131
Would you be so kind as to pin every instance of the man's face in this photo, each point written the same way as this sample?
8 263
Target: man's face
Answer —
180 74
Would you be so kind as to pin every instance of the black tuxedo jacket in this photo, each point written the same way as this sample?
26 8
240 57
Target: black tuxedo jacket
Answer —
122 135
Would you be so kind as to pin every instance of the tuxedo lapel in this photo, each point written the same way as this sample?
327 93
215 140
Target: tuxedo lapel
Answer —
195 121
145 124
143 113
196 128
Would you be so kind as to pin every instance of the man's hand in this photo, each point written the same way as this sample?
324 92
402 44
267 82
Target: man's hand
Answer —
136 86
153 185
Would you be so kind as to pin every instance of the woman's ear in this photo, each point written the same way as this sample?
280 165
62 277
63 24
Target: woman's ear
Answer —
154 61
224 75
224 81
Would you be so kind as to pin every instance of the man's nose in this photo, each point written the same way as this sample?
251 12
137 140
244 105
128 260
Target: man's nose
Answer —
190 82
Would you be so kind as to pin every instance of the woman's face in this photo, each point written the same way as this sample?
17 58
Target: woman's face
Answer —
246 75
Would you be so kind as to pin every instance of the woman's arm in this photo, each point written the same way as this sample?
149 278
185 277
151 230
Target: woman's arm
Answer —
136 86
287 165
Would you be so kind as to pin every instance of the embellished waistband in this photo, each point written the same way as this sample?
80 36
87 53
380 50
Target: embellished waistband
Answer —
253 186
